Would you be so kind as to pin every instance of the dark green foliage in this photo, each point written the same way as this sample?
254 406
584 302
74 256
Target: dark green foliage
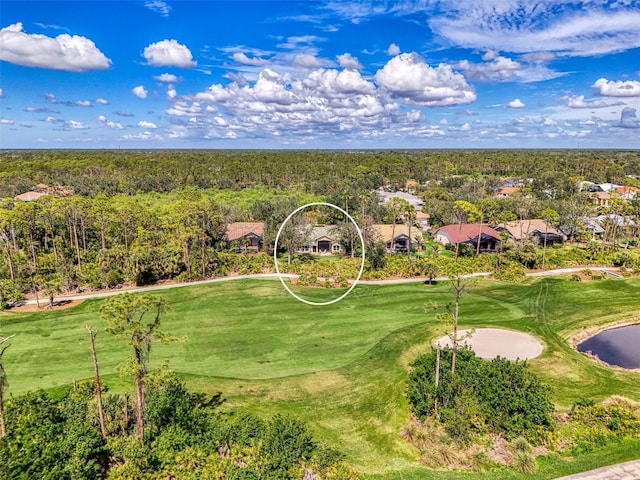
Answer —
286 443
498 395
187 438
49 439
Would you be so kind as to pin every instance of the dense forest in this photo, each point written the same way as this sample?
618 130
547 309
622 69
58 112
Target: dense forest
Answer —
111 217
319 172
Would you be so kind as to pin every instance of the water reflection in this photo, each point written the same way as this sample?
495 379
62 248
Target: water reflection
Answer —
617 346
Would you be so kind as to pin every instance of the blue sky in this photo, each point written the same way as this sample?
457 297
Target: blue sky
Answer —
320 74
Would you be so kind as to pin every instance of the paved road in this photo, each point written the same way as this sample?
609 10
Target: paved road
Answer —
621 471
394 281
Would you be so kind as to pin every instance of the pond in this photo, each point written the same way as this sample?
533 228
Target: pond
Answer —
617 346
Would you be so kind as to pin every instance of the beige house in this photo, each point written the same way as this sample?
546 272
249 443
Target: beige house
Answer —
246 235
534 230
322 241
398 236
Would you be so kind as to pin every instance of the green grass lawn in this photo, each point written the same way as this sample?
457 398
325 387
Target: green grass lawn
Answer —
340 367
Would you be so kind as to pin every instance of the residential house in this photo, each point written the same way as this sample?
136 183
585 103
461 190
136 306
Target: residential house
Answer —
422 220
459 233
618 220
322 240
41 190
247 236
396 239
506 192
29 196
535 230
384 197
626 192
600 198
583 224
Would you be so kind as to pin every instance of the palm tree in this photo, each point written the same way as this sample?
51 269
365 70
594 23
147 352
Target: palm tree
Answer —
550 216
395 206
409 215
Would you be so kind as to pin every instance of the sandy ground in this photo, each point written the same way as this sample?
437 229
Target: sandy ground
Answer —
493 342
44 306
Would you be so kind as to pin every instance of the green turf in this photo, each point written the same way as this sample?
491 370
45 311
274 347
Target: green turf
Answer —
341 367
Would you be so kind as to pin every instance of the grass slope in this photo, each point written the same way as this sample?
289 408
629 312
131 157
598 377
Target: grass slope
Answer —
341 367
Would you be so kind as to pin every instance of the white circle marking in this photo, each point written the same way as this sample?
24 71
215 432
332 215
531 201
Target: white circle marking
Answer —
275 254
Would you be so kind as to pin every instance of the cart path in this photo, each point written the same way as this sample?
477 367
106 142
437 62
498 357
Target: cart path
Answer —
393 281
621 471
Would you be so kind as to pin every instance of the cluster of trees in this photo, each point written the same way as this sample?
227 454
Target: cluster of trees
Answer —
480 396
110 231
62 242
187 438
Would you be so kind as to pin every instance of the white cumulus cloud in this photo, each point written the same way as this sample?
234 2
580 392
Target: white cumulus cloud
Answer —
241 57
610 88
168 53
145 124
140 91
308 60
167 78
393 50
101 101
516 103
348 61
407 76
75 125
71 53
578 101
1 93
109 123
628 118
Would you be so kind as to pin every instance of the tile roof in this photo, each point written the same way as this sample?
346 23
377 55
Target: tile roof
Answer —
464 232
521 229
238 230
29 196
384 231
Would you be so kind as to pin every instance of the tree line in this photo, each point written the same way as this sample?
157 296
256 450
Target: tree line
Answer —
128 172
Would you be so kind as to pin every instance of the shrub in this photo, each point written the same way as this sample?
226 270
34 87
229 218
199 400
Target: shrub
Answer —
520 444
511 272
498 395
524 462
574 277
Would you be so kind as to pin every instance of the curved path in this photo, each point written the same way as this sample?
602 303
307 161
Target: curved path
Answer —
393 281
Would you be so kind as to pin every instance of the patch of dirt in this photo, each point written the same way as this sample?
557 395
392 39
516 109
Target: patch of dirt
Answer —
498 451
44 306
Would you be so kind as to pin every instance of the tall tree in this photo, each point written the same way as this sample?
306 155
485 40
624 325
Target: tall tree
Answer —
551 217
137 319
467 212
96 379
458 274
395 208
409 215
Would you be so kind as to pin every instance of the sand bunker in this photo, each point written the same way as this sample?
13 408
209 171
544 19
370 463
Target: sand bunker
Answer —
493 342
